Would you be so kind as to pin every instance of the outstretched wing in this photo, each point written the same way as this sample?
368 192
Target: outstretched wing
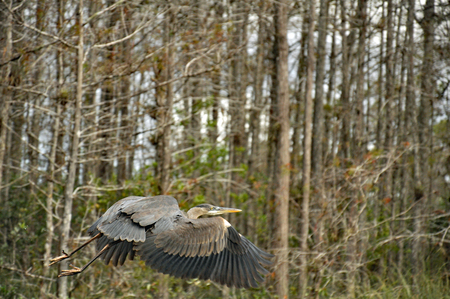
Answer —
125 222
205 248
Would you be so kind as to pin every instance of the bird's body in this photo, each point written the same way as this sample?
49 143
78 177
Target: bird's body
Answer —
176 243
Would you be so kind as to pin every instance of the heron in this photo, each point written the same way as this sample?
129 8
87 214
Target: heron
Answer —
175 243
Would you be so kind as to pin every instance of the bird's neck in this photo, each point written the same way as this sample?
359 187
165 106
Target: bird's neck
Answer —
193 214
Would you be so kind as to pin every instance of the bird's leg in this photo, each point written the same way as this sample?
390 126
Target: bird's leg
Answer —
76 270
65 255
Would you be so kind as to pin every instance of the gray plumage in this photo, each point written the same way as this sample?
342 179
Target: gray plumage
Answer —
172 243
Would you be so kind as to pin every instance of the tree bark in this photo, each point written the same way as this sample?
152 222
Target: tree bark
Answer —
126 131
3 134
403 176
272 141
424 131
331 92
389 103
359 143
50 186
427 95
106 117
254 161
318 139
357 153
345 93
70 184
216 79
255 122
53 153
33 128
299 94
389 59
410 107
318 132
238 98
6 95
380 123
307 143
282 166
166 113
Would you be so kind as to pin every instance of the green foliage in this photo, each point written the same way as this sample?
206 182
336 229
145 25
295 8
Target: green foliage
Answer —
198 199
428 285
441 130
9 291
240 198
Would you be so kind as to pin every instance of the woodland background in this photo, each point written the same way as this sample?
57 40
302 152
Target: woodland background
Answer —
326 121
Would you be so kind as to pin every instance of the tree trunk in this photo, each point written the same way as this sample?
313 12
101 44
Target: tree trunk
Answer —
255 122
318 138
427 94
126 131
52 158
216 79
403 176
195 88
3 134
380 121
70 184
387 191
424 130
299 94
331 92
254 161
105 167
166 113
238 98
359 143
34 129
357 153
307 154
410 108
6 95
282 166
345 93
50 186
272 141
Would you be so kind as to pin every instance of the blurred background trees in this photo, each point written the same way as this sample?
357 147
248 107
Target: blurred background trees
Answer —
326 121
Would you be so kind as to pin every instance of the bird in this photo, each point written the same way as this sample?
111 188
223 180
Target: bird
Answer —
175 243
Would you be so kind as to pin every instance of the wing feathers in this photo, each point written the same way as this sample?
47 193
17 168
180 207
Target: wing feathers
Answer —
192 237
252 276
246 276
122 228
117 251
108 255
205 248
208 267
192 250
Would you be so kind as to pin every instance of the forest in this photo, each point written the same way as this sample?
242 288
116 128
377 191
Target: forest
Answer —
326 122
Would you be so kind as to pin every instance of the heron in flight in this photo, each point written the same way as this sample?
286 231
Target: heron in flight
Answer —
175 243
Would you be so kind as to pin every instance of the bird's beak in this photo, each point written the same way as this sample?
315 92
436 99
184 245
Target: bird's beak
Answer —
228 210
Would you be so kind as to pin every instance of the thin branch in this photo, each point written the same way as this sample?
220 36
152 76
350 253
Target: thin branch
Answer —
26 272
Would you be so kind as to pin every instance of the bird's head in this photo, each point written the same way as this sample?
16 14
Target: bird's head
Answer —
209 210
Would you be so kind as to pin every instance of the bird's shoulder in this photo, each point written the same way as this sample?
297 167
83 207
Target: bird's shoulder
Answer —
201 223
129 217
192 231
148 210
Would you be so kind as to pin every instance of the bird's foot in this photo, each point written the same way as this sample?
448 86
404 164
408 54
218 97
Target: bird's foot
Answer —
59 258
73 271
